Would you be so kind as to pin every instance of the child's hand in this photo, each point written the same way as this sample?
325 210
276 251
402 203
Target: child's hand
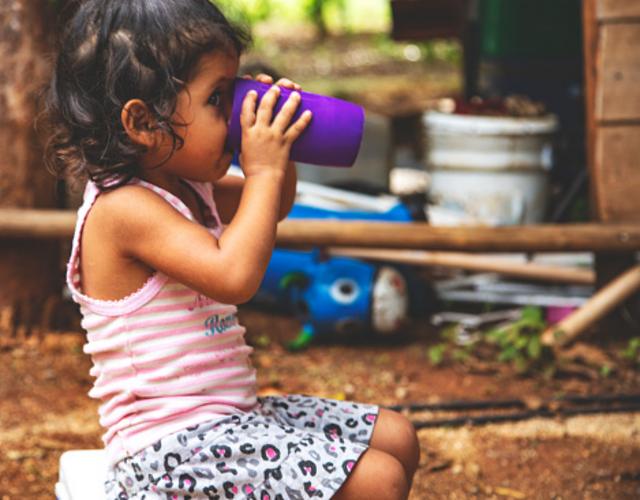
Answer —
265 143
283 82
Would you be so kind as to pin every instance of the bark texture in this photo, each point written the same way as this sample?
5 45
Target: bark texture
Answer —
30 270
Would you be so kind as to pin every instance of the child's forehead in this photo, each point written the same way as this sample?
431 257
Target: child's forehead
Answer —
216 65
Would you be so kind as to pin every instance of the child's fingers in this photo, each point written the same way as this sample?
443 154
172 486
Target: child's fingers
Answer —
299 126
265 109
248 110
264 78
284 116
285 82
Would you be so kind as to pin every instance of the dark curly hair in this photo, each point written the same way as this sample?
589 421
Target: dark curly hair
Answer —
113 51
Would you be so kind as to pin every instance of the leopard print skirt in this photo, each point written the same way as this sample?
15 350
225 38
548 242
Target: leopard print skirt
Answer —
292 447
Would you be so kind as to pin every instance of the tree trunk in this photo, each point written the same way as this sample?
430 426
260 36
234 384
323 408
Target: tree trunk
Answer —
315 11
30 270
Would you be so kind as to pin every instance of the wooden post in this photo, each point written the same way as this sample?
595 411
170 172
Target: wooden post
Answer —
603 302
612 65
30 270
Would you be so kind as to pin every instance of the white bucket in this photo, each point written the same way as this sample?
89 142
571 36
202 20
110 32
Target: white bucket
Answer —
494 169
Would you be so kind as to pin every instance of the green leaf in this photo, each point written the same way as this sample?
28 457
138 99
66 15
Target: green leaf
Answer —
632 350
508 354
533 314
460 355
534 347
497 336
605 371
436 354
521 342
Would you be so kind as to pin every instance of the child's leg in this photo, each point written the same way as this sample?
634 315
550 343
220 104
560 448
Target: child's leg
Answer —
394 434
377 475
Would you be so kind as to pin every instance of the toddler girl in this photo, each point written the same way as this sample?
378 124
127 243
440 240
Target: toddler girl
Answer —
166 243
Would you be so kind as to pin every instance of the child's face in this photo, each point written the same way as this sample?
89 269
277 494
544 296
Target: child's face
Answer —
204 107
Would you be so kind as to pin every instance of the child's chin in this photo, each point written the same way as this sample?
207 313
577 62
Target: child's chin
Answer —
223 165
226 160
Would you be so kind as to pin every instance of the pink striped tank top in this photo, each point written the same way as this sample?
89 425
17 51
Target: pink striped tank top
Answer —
164 357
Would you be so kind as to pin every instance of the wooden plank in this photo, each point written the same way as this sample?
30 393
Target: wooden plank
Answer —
617 9
597 307
590 46
617 165
422 236
33 223
618 73
417 235
473 262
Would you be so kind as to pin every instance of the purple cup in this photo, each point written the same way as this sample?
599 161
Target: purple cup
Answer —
331 139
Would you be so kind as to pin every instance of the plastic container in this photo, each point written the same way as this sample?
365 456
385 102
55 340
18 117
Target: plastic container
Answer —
493 168
332 138
82 475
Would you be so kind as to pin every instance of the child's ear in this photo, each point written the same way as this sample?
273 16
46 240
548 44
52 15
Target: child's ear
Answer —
138 123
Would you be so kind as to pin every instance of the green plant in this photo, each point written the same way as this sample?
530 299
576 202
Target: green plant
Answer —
605 371
451 347
632 351
436 353
519 342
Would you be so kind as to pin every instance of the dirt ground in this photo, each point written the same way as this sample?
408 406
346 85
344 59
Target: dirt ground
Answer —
44 410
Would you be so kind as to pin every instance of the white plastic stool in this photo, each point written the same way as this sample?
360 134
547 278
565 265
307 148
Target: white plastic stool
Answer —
82 475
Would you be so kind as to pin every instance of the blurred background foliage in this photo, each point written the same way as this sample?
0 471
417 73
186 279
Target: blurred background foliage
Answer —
325 15
344 48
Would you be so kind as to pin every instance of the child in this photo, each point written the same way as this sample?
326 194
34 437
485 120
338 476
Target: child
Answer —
166 243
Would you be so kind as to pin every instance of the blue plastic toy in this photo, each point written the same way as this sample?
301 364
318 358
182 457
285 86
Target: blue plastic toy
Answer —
338 295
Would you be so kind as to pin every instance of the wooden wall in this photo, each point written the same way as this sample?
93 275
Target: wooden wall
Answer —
612 63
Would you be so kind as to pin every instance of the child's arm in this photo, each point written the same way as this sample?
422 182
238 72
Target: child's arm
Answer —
144 228
228 191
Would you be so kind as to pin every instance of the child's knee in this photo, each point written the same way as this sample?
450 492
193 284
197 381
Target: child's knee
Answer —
410 442
397 484
377 475
406 438
390 477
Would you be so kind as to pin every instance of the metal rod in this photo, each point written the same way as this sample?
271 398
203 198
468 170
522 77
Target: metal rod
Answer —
518 416
461 405
516 403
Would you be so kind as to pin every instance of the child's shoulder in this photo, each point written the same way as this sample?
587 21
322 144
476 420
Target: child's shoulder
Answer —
123 200
128 206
